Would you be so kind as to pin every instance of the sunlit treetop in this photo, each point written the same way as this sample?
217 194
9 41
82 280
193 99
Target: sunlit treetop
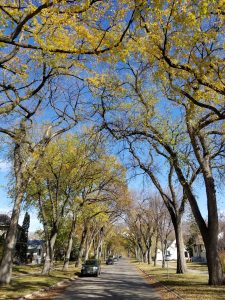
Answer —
42 40
78 27
184 40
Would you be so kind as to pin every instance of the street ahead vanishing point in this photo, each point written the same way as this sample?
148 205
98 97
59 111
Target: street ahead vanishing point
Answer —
117 282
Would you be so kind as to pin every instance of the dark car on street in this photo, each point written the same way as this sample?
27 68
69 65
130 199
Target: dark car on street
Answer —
110 261
91 267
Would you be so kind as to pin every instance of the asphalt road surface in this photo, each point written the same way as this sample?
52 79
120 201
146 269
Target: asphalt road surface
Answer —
120 281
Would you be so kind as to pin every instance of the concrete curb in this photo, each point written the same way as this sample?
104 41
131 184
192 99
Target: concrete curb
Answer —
38 293
164 286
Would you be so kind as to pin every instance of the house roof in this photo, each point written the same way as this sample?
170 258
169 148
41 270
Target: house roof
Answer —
35 243
4 220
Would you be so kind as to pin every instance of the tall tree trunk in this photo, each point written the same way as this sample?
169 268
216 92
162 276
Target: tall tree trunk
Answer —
95 246
208 231
105 255
149 249
137 253
146 256
163 247
100 250
89 243
97 251
10 242
156 250
149 255
70 243
99 243
216 275
47 261
81 247
88 249
176 216
210 238
181 263
49 258
141 253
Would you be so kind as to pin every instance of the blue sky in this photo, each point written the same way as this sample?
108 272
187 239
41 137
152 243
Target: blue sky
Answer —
142 183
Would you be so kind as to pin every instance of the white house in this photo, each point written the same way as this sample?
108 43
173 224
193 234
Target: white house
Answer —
35 251
171 252
198 249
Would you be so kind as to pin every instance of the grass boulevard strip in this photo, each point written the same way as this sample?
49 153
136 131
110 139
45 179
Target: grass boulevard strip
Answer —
27 280
189 286
165 292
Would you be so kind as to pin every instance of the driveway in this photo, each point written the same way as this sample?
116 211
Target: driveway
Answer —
120 281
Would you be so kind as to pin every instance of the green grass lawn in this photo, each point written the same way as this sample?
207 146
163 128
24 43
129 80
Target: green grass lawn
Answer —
27 279
190 266
26 269
189 286
197 266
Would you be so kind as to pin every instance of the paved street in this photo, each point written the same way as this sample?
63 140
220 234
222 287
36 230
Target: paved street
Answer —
120 281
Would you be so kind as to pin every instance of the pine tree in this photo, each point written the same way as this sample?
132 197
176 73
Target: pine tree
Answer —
22 243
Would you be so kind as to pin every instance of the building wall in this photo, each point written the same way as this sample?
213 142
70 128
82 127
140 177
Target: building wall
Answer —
199 253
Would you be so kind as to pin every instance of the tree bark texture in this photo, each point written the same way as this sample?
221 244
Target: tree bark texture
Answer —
156 250
49 258
81 247
69 244
208 231
10 242
181 262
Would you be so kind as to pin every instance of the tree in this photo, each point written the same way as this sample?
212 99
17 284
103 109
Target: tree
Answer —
142 221
173 202
94 221
74 174
41 43
146 153
164 230
115 242
26 145
72 231
22 242
185 47
69 27
129 110
57 183
104 198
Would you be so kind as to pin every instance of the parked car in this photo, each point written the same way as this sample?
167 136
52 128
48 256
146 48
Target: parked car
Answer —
91 267
115 258
109 261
